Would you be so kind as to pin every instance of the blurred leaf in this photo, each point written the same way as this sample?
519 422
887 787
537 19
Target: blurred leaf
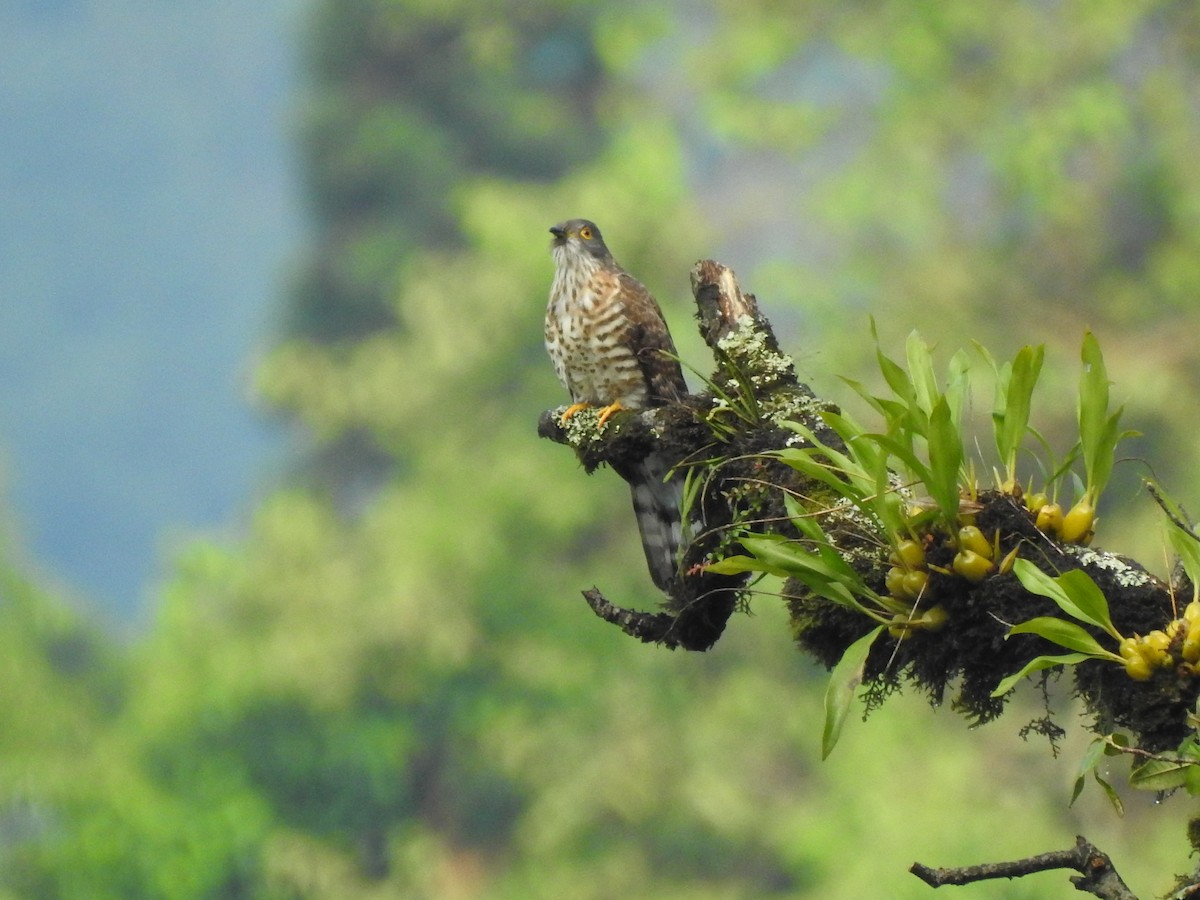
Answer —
920 373
1074 592
945 461
843 683
1090 604
903 453
1099 433
1110 792
825 573
895 376
1036 665
1161 774
1091 759
958 386
737 565
1065 634
1015 383
861 475
1098 750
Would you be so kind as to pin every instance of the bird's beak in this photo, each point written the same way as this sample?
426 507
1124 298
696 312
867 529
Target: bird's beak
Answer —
560 233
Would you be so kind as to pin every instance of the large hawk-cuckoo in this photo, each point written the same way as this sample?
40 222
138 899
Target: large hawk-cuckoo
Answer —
611 348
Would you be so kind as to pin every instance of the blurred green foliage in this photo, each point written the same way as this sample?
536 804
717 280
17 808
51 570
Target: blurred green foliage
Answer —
390 687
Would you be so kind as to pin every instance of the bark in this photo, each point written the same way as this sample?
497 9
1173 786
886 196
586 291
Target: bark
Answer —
1097 874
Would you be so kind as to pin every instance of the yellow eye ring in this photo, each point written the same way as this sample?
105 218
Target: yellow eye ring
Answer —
585 233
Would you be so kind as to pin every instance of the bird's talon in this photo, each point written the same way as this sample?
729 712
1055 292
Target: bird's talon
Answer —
570 411
606 412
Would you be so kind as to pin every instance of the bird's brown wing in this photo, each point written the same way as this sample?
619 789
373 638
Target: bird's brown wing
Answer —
657 497
647 336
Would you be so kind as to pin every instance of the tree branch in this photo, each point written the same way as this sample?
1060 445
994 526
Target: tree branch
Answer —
1098 876
729 440
726 438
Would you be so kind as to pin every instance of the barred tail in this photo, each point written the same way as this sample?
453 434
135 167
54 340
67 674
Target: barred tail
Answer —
656 504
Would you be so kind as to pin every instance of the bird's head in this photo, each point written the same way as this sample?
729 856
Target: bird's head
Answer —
579 237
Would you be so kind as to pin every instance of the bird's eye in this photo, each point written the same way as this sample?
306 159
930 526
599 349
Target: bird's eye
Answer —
585 233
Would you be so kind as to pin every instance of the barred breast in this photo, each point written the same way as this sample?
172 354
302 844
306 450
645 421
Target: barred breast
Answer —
587 337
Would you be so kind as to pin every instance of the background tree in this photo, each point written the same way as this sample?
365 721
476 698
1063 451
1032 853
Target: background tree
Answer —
407 102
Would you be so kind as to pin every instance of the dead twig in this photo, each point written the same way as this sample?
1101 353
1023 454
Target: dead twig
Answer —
1097 876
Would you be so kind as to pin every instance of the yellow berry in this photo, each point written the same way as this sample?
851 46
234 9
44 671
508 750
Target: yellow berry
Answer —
1138 668
894 580
933 619
971 566
1079 524
901 626
1154 648
1157 639
1129 648
914 583
1050 519
971 538
1034 502
1190 650
909 554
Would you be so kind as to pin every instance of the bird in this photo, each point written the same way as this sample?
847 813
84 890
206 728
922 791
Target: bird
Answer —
611 349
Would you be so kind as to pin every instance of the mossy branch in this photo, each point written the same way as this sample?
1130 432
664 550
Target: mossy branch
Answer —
782 480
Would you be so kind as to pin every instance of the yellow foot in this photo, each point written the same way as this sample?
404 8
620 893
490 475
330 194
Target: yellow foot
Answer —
570 411
608 411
